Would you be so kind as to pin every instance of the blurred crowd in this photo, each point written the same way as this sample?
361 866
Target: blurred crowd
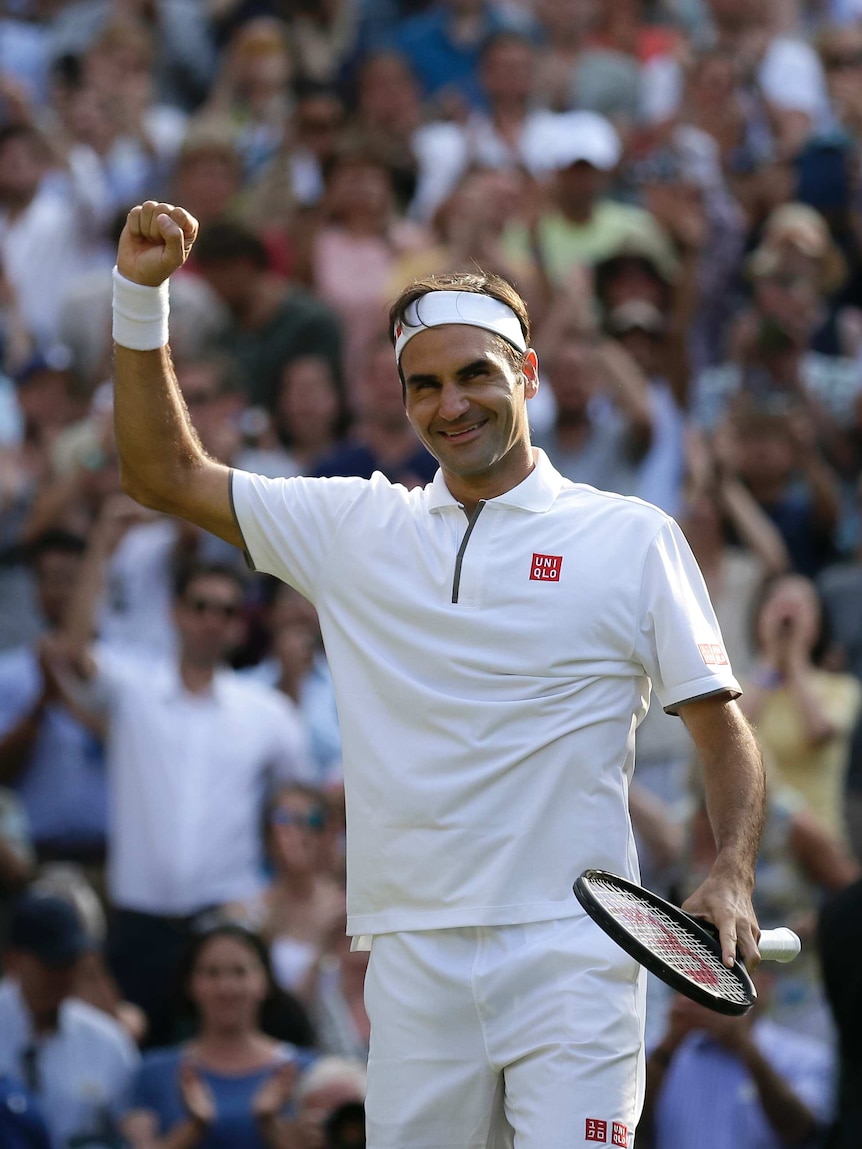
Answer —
674 187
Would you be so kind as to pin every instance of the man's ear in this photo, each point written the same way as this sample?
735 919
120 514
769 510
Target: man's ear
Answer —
530 372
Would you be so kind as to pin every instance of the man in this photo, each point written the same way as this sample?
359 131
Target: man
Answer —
741 1081
491 638
272 322
77 1061
192 752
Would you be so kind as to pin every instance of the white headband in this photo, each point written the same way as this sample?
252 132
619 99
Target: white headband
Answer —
436 308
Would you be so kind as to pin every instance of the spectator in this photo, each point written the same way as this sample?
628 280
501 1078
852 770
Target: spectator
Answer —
297 666
444 46
46 750
356 248
302 904
839 937
388 116
230 1086
337 1000
741 1081
208 171
382 439
311 413
332 1086
805 715
192 750
272 322
76 1060
582 225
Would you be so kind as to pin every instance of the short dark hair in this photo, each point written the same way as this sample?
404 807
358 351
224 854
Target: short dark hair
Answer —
478 282
187 573
54 541
226 240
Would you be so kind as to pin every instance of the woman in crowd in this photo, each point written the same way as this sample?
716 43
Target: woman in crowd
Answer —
303 903
230 1086
804 713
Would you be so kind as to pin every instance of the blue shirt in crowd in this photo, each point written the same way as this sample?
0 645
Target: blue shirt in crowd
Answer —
156 1089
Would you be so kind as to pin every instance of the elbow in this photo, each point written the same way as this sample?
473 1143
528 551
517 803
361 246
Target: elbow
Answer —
141 492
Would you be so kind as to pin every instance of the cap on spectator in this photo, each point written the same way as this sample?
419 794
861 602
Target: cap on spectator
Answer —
799 227
56 358
48 927
583 137
649 246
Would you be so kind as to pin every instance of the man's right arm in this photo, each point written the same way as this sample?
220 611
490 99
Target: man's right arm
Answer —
163 464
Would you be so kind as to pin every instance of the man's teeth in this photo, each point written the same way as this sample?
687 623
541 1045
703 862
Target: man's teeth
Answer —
460 431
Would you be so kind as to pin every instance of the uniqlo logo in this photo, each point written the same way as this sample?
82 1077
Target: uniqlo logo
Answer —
596 1130
712 653
546 568
619 1135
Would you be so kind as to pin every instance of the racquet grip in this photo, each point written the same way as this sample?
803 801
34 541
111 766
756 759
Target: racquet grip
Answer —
779 945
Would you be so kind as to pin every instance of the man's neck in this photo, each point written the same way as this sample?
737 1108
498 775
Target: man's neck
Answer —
197 677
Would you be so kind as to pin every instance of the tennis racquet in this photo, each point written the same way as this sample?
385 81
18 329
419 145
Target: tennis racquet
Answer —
681 950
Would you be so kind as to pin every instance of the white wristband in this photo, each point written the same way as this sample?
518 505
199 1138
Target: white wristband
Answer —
140 314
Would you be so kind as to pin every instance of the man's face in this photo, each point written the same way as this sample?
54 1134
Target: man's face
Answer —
467 402
232 280
56 573
209 618
43 987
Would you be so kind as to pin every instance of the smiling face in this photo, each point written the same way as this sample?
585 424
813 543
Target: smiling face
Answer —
467 403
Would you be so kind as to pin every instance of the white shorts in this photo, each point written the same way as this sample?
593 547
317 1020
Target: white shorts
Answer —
528 1035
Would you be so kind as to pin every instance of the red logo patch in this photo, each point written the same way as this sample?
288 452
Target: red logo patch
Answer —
596 1130
546 568
619 1135
399 331
712 653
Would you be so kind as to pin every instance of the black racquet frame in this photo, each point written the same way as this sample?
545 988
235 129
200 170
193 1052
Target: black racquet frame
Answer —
700 933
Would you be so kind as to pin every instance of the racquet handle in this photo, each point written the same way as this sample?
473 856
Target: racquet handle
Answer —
779 945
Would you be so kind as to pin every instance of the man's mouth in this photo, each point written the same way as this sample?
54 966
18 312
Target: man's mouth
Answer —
459 433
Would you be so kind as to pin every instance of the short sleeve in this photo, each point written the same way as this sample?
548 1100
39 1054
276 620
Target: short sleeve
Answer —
288 525
679 642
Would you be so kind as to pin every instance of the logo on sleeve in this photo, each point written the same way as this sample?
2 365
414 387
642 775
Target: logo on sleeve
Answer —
546 568
712 653
596 1130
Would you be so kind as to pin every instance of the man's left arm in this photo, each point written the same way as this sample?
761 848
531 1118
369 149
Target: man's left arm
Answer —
735 787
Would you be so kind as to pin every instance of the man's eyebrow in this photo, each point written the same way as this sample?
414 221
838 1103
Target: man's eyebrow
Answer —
481 364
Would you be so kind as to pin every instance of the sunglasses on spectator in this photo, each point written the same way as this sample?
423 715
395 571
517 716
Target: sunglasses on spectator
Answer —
227 610
315 820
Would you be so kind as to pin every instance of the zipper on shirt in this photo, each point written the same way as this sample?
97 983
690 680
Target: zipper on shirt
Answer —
459 558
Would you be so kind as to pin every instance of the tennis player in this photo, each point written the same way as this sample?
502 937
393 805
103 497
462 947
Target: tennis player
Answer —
493 639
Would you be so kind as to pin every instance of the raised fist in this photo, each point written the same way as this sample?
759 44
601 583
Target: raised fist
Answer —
155 242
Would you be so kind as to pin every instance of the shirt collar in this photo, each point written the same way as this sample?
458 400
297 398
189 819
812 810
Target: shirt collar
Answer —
535 493
173 687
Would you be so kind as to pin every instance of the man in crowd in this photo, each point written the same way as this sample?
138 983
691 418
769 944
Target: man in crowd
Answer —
75 1060
192 752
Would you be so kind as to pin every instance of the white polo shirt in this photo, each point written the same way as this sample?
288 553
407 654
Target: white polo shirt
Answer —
490 676
188 777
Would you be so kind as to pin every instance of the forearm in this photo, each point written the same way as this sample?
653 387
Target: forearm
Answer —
792 1120
753 526
824 489
735 788
15 866
157 444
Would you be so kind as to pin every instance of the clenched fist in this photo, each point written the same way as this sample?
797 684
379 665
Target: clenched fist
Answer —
155 242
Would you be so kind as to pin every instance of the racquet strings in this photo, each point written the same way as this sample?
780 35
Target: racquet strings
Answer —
682 951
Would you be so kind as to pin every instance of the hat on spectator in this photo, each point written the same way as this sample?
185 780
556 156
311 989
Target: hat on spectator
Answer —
796 226
48 927
583 137
646 244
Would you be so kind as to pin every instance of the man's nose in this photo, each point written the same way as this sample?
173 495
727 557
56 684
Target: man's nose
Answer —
453 402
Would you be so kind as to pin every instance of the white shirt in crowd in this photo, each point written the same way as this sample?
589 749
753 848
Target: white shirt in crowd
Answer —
84 1068
188 779
490 677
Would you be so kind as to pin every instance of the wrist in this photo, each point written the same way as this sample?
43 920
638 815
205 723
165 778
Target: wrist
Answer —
140 314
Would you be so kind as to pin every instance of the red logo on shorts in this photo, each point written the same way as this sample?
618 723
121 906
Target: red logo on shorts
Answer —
596 1130
619 1135
712 653
546 568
